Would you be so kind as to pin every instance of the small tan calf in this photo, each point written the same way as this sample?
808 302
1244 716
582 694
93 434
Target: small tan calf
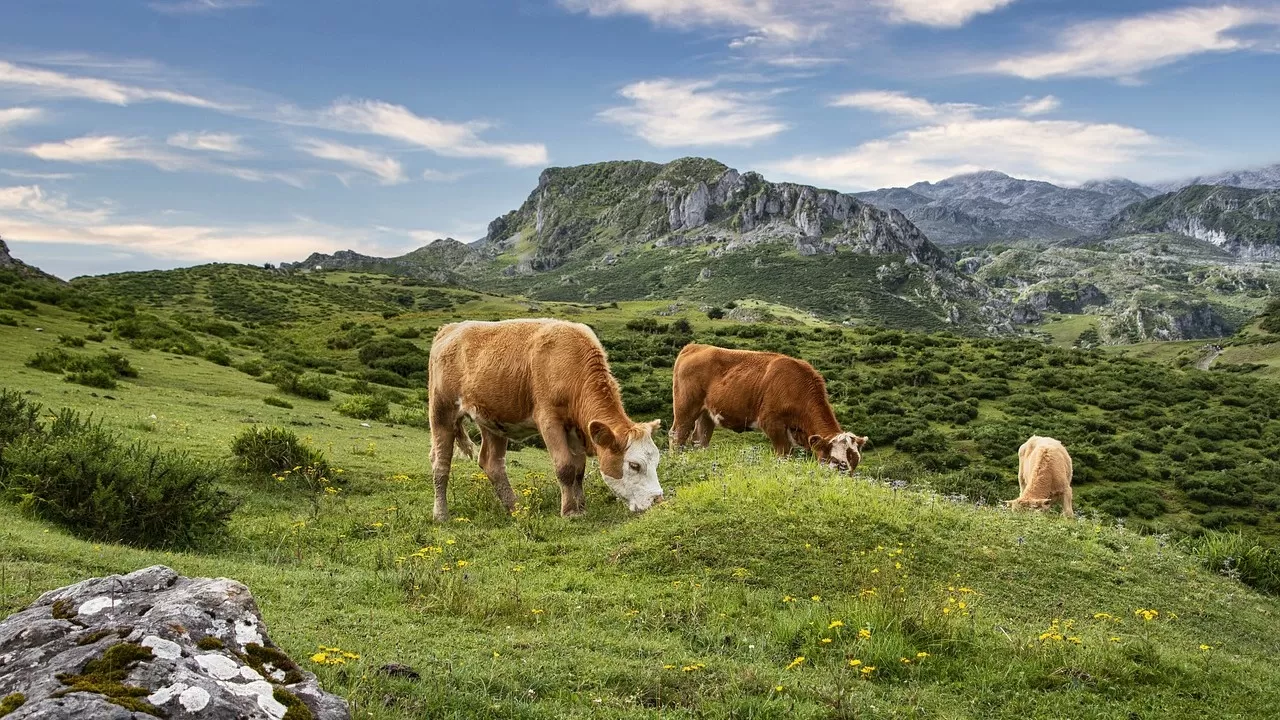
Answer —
1044 475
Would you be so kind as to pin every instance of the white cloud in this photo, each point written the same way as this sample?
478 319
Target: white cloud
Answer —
680 113
51 83
1031 106
901 105
195 7
946 144
788 21
31 199
374 117
17 116
214 142
93 149
387 169
941 13
801 62
1124 48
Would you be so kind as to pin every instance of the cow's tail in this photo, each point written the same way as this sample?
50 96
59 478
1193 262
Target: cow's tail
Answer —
463 440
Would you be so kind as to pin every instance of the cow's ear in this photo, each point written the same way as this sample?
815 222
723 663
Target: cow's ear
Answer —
861 440
816 442
652 426
602 436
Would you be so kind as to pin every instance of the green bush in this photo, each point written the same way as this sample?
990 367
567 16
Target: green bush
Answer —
18 417
100 371
365 407
71 341
408 333
96 337
304 386
218 356
1242 557
7 319
252 368
277 402
96 378
274 450
79 475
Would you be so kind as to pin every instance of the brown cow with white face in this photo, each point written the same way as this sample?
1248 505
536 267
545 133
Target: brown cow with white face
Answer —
518 378
746 390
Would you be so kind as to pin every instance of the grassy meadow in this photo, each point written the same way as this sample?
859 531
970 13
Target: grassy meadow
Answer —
761 589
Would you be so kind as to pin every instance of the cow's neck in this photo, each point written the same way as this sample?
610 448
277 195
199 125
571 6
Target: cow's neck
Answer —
822 423
600 401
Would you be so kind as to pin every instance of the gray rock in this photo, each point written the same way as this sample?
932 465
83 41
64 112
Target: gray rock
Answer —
201 651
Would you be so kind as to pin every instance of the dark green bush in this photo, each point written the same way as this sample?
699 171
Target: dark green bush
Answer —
71 341
6 319
79 475
264 449
218 356
100 371
96 378
1242 557
715 313
252 368
277 402
303 386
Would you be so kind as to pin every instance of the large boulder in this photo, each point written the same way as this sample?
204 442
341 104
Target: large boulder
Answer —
131 647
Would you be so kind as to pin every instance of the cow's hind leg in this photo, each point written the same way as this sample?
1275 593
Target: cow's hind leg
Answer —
1066 503
443 421
493 461
703 428
686 408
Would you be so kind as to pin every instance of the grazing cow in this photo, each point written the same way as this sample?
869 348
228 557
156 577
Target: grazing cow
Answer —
746 390
518 378
1044 475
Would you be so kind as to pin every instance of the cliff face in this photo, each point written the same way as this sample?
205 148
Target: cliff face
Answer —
1244 222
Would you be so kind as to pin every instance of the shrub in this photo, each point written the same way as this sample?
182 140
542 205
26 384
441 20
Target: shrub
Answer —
252 368
96 378
7 319
18 417
277 402
218 356
100 371
412 417
1242 557
71 341
715 313
409 333
303 386
96 337
365 407
79 475
272 450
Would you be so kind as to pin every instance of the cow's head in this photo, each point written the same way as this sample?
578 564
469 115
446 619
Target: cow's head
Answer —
1030 503
629 462
842 451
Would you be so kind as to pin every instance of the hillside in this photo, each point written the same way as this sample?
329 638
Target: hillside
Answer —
756 587
1130 289
1244 222
987 207
697 230
1260 178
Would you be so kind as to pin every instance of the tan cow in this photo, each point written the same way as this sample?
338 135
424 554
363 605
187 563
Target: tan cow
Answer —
518 378
747 390
1044 475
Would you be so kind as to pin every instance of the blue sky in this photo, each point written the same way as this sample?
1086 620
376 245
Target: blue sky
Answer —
155 133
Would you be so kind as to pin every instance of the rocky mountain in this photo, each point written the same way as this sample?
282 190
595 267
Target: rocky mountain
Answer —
1244 222
1262 178
990 206
22 270
696 229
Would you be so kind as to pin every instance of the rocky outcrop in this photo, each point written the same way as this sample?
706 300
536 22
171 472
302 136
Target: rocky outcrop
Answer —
438 262
153 643
1175 321
6 260
1243 222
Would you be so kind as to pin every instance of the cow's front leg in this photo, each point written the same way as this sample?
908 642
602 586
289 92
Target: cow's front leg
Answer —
563 458
779 437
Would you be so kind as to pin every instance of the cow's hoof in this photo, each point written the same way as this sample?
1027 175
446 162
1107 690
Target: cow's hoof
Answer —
573 513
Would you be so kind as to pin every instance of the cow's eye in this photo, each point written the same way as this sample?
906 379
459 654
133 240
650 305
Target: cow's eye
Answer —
635 466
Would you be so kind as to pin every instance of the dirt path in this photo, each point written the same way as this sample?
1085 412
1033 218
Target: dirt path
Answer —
1206 362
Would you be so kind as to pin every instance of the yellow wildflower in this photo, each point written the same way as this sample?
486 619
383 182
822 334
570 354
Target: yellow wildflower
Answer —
1206 648
864 634
816 598
796 663
855 662
867 670
835 624
319 658
826 641
922 655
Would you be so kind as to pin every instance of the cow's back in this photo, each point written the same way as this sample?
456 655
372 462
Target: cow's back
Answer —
739 385
1046 465
502 370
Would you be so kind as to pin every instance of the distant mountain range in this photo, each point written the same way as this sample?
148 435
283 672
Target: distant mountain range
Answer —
1244 222
986 207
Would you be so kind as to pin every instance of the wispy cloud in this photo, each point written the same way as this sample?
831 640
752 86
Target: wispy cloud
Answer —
98 149
213 142
1124 48
200 7
18 116
387 169
26 175
34 200
52 83
941 13
433 175
772 22
679 113
450 139
899 104
1031 106
947 143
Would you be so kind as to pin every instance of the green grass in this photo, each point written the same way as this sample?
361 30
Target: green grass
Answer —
682 612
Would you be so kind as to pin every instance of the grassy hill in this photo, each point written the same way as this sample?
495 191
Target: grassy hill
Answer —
704 606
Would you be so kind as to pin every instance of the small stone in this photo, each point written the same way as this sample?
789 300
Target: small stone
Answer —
398 670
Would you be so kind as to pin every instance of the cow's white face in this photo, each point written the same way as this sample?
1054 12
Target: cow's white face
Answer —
638 482
842 452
